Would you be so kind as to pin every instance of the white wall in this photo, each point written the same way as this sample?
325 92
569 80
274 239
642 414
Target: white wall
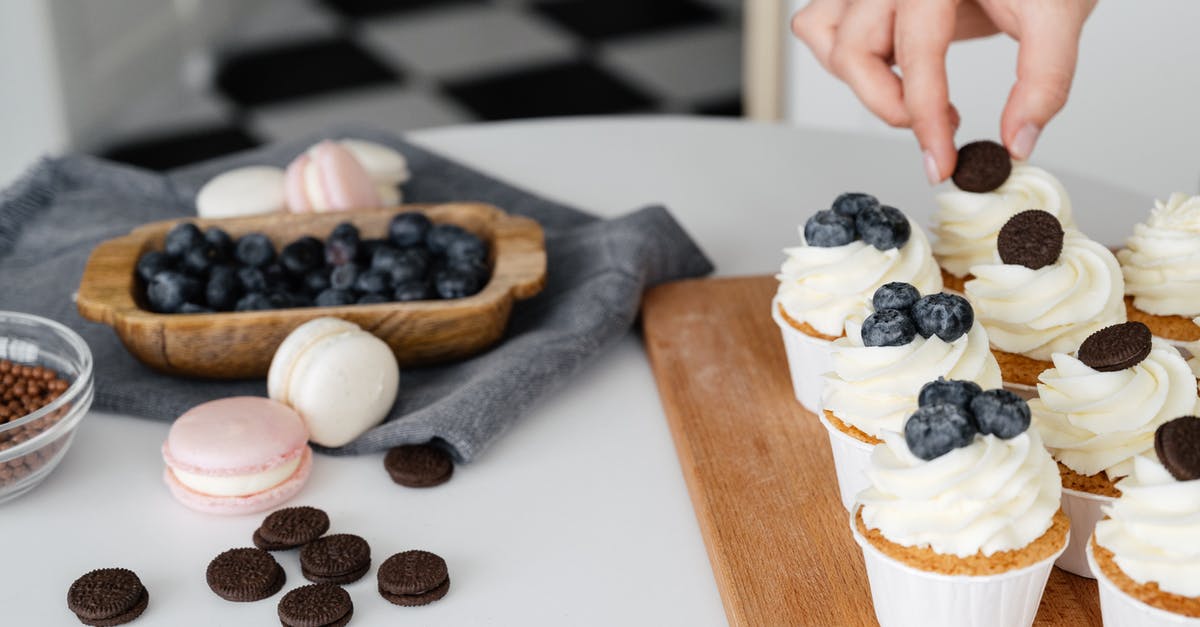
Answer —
1134 114
32 119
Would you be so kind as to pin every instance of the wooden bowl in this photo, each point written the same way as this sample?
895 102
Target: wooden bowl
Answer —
238 345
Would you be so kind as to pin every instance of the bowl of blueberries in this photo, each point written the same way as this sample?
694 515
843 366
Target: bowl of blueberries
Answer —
214 298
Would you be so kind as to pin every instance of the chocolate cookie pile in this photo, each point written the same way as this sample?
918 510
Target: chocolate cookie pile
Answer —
24 389
107 597
418 465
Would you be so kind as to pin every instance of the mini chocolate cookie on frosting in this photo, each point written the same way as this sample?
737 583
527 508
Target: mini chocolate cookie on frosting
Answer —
1046 290
1161 263
969 218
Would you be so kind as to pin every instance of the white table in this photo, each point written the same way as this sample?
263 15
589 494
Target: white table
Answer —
579 515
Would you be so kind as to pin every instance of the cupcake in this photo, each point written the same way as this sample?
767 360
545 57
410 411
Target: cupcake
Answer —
1161 264
1097 411
1146 554
960 522
848 251
880 368
989 189
1047 290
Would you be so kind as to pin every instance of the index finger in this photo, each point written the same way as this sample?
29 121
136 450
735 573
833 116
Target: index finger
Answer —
924 29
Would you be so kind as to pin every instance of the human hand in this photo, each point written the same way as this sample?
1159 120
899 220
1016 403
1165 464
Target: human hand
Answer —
860 41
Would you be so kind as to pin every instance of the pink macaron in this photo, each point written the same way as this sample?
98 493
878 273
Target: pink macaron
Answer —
237 455
328 177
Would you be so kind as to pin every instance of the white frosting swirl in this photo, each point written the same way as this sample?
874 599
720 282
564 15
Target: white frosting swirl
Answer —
992 495
875 388
966 224
1099 421
1052 309
1153 530
1161 260
826 286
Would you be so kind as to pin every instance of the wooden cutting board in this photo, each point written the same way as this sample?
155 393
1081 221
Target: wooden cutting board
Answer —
759 469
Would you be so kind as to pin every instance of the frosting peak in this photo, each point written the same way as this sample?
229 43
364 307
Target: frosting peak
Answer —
1161 260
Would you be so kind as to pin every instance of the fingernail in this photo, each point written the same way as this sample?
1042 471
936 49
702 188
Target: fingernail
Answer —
1025 140
932 172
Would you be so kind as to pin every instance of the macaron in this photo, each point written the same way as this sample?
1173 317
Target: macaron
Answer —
246 191
328 177
340 379
384 165
236 455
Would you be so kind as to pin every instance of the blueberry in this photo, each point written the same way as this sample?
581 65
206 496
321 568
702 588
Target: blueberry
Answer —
466 247
334 298
342 245
450 283
1000 413
223 242
317 281
935 430
438 239
252 279
826 229
403 266
284 300
384 257
278 278
948 316
366 249
343 277
255 250
409 229
151 263
302 256
169 290
371 299
373 282
948 391
883 227
346 231
193 308
200 258
895 295
223 288
254 301
410 291
850 203
181 238
888 327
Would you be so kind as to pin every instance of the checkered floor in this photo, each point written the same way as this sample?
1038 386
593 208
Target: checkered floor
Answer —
298 66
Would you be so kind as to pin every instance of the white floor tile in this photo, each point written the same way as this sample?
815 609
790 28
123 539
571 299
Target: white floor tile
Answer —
280 21
396 109
683 67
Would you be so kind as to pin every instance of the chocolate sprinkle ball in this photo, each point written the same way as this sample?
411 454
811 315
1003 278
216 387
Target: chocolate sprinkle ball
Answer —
1116 347
339 559
1177 443
982 167
316 605
1032 238
108 596
245 575
419 465
413 578
291 527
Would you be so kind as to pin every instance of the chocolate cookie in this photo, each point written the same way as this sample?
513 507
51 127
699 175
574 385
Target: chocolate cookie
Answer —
291 527
982 167
1032 238
316 605
1178 446
413 578
1116 347
418 465
245 575
107 597
340 559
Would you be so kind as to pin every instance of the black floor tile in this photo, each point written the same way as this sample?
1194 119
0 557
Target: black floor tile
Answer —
574 88
606 19
374 8
163 152
267 75
725 107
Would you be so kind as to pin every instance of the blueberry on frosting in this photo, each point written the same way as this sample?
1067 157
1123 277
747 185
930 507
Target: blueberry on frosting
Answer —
1000 413
948 391
851 203
935 430
882 226
895 295
827 229
888 327
948 316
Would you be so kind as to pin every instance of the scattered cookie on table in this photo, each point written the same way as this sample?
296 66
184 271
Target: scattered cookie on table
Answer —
316 605
107 597
244 574
418 465
339 559
291 527
413 578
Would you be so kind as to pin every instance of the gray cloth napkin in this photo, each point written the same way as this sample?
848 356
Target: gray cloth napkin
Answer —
597 270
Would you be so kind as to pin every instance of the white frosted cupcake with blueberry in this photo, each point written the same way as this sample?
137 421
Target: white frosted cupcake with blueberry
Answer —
989 188
1045 292
880 368
847 252
960 522
1097 411
1161 263
1146 554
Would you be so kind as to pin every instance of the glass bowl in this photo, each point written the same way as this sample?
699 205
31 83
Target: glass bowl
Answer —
33 444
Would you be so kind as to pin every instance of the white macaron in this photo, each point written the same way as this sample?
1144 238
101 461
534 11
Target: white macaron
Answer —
245 191
384 165
340 379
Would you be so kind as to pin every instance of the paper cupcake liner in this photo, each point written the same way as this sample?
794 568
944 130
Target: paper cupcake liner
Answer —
809 358
851 458
1118 608
909 597
1083 508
